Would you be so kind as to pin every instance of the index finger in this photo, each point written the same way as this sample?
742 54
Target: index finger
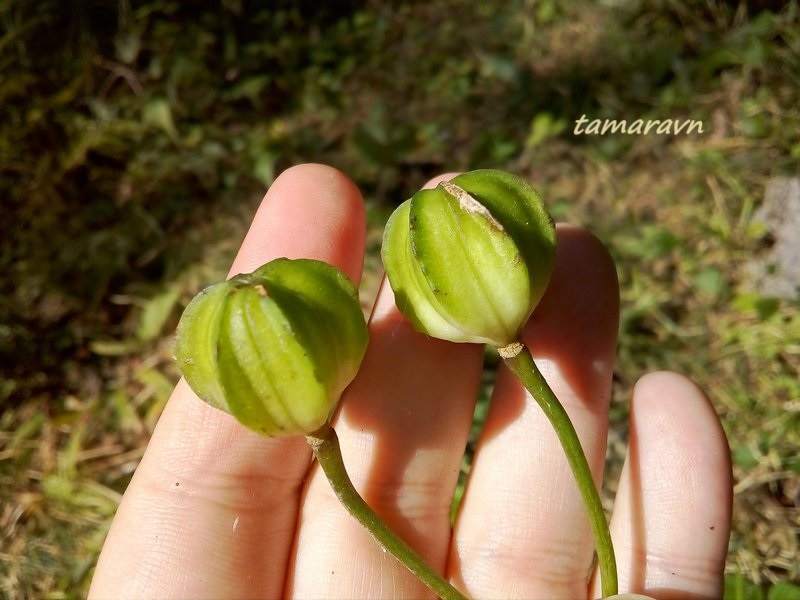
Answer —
212 507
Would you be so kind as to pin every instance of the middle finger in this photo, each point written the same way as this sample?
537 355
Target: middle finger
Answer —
402 427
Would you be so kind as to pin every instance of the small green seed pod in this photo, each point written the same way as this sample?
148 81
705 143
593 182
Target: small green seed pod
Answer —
470 259
275 348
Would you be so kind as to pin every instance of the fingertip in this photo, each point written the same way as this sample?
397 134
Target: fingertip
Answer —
672 514
669 411
672 412
583 294
576 323
677 407
584 269
439 178
310 211
651 387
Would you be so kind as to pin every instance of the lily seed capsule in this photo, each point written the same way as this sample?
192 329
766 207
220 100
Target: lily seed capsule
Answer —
275 348
470 259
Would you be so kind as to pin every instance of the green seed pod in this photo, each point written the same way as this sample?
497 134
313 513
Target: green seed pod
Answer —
275 348
470 259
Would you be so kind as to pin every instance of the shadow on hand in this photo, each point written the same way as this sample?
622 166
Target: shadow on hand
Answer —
414 399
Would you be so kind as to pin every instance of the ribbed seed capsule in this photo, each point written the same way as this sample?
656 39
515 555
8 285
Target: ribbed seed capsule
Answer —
275 348
470 259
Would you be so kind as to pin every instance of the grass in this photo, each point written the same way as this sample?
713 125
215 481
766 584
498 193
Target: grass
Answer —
136 146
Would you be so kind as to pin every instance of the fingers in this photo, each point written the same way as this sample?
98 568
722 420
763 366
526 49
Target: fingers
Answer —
403 425
212 507
311 211
522 531
673 509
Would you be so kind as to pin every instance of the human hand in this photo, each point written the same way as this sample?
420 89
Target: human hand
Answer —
215 510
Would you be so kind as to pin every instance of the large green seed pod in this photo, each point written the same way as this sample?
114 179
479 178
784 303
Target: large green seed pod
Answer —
470 259
275 348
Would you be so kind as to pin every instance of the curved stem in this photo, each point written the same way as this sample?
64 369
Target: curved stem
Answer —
325 444
518 358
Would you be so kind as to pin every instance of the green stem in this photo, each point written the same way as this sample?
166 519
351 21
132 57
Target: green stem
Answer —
325 444
518 358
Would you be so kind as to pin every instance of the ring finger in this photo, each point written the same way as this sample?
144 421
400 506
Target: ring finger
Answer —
523 530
